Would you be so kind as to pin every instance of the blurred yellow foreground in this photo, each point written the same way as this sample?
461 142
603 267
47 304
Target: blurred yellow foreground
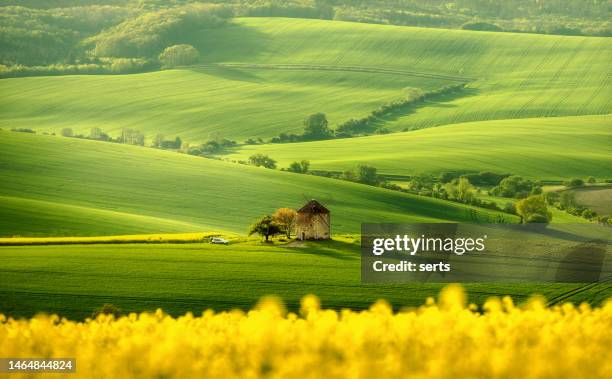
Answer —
438 340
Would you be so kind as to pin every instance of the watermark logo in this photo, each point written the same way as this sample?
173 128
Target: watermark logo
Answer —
412 245
572 253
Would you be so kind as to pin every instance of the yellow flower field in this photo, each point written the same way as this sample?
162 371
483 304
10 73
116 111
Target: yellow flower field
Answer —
132 238
438 340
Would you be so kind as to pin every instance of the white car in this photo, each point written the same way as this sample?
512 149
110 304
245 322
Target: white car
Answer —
219 241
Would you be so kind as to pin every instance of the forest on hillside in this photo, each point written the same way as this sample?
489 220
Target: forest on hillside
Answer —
122 36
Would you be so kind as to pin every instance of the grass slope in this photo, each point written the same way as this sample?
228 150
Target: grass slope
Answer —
546 148
199 103
73 280
49 218
65 186
517 75
514 76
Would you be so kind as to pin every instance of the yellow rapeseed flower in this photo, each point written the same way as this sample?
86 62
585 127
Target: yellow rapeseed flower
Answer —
444 339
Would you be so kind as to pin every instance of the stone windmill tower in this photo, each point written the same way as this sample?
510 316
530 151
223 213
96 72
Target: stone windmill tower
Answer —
313 222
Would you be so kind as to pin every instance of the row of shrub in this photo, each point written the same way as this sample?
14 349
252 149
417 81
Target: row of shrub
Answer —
515 186
101 67
128 136
461 188
566 201
172 56
371 123
457 190
573 17
450 186
447 186
316 126
23 130
135 137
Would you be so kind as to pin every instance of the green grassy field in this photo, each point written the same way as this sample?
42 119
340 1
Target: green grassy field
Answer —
342 69
66 186
199 103
73 280
516 75
535 105
543 148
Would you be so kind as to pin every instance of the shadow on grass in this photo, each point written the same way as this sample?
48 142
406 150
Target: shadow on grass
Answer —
233 42
341 250
228 73
437 101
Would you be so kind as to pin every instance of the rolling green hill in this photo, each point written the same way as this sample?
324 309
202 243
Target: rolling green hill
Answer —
199 103
534 105
66 186
285 69
24 216
517 75
544 148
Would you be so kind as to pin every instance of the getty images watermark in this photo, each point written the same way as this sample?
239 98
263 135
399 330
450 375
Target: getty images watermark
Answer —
575 253
422 244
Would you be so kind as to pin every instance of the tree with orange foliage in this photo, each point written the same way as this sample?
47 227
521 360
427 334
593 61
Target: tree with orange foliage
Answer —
285 217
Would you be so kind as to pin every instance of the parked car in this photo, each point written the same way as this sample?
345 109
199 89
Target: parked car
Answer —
219 241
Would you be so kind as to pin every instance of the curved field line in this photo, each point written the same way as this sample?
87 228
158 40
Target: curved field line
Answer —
603 86
566 295
534 72
308 67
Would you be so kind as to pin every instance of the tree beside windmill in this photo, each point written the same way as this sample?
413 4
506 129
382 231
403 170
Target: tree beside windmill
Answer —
311 222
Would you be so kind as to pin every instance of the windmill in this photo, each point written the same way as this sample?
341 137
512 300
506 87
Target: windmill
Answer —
313 219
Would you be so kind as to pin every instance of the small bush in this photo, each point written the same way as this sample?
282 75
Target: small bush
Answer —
299 167
537 218
589 214
107 309
485 178
517 187
575 182
481 26
447 177
261 160
179 55
23 130
533 209
67 132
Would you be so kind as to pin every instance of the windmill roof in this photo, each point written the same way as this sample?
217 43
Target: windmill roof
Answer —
313 206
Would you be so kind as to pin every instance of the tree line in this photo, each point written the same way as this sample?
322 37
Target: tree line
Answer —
130 136
77 36
316 126
107 39
453 188
574 17
531 204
